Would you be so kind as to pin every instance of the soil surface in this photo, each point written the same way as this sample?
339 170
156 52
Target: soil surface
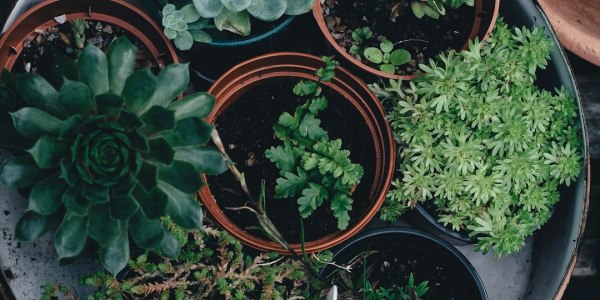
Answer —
394 20
40 50
246 129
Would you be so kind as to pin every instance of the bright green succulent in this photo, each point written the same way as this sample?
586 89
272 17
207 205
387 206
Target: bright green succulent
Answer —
229 15
184 26
112 154
436 8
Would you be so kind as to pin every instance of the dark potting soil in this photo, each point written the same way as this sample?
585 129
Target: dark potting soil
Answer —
424 38
40 50
246 128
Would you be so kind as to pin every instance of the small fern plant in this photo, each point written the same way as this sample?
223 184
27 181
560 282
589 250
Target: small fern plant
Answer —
312 166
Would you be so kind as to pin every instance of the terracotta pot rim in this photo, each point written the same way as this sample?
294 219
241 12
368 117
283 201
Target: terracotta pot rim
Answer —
232 84
479 14
11 43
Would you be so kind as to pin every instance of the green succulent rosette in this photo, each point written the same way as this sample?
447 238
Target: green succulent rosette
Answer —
110 153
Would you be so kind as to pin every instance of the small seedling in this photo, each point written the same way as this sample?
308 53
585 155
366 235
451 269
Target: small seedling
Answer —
386 57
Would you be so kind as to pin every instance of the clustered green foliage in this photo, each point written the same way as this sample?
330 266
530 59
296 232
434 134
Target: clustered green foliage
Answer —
108 154
436 8
480 142
188 24
385 56
212 265
313 167
407 292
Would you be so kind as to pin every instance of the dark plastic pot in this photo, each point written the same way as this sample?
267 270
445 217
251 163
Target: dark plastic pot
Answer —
486 13
403 241
116 12
282 24
246 75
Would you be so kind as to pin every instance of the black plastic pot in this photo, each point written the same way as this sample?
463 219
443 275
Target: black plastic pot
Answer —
409 242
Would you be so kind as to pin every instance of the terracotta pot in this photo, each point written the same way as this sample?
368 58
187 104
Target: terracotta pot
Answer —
486 13
246 75
577 24
116 12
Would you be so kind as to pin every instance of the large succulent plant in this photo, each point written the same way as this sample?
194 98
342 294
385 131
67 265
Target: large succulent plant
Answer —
188 23
112 154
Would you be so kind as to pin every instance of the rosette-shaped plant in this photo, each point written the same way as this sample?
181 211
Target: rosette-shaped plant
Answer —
112 154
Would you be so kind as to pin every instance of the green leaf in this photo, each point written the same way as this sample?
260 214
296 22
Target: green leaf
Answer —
310 127
306 87
168 9
236 5
170 246
71 236
101 227
312 198
190 14
20 172
288 121
139 87
74 202
158 119
170 33
114 255
46 196
206 160
191 131
32 226
68 171
147 234
48 151
291 185
387 68
236 22
160 151
317 105
129 121
208 8
76 98
267 10
121 63
386 46
154 203
33 123
298 7
38 93
182 208
71 128
200 36
172 81
109 105
123 207
184 40
93 69
196 105
374 55
96 194
200 24
182 176
10 139
283 157
399 57
418 8
148 176
341 204
62 67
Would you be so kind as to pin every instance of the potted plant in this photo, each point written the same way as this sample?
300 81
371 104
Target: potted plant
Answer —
255 96
401 263
391 38
490 149
225 23
59 14
108 155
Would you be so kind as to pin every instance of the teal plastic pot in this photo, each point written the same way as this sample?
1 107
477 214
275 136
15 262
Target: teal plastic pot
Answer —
284 22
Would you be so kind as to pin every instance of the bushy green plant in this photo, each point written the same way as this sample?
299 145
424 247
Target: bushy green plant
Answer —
110 154
385 56
212 265
188 24
313 167
436 8
481 143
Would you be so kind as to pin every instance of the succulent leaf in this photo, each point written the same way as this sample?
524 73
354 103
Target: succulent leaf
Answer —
95 193
172 81
206 160
76 98
160 151
170 246
114 255
158 119
153 203
46 196
121 62
182 176
184 40
48 151
93 69
196 105
71 236
146 233
191 131
74 202
139 87
236 5
122 208
101 227
190 14
34 123
183 208
298 7
267 10
208 8
19 172
236 22
33 225
38 93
